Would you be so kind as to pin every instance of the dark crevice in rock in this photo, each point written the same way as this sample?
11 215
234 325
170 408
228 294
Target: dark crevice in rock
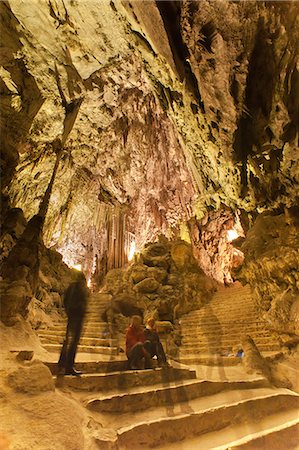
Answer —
291 99
170 12
144 41
259 93
60 15
208 33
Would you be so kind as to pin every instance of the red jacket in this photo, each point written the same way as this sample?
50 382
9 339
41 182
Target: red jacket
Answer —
133 336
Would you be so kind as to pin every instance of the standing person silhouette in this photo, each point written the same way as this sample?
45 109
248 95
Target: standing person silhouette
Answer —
75 303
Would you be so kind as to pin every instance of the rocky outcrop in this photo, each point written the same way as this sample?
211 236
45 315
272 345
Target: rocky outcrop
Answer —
271 267
30 272
33 379
211 243
164 282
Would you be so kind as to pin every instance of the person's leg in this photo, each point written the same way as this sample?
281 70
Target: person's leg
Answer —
160 353
75 330
135 355
148 352
61 365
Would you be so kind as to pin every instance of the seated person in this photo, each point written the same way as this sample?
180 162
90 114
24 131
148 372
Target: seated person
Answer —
137 347
155 348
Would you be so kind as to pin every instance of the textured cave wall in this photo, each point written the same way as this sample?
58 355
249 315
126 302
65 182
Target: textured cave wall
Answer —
181 108
212 245
164 281
122 151
271 267
33 277
245 58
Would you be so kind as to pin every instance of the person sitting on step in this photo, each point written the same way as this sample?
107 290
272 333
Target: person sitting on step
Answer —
156 348
137 348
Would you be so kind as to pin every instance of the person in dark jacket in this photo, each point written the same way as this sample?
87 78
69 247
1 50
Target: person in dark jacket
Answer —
155 348
137 348
75 303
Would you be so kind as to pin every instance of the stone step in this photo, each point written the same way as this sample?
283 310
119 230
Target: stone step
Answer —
269 433
221 316
273 438
220 322
116 381
192 331
84 349
100 334
94 315
86 320
48 339
224 341
115 364
224 327
85 333
202 336
234 409
187 350
90 325
169 393
207 359
216 310
222 350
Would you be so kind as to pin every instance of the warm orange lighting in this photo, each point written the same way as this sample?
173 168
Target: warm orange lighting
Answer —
132 250
231 235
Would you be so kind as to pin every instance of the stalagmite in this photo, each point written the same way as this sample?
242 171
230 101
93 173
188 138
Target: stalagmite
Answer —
154 147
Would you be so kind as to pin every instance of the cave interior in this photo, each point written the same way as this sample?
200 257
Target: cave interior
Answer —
152 146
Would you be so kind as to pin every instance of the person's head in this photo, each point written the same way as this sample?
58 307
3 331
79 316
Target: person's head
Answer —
150 323
79 277
136 321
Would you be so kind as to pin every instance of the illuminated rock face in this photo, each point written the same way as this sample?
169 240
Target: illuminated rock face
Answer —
163 282
271 268
168 110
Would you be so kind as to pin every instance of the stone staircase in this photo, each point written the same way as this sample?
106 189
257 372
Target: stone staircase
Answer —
213 334
170 408
96 336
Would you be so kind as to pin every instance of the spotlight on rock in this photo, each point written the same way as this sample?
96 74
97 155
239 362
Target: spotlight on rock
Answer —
231 235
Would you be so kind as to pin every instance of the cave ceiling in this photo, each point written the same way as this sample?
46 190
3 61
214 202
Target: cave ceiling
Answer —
166 110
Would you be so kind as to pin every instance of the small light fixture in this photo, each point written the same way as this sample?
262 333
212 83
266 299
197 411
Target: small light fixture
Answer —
231 235
132 250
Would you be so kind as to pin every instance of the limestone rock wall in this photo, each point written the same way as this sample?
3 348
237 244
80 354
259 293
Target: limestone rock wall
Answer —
166 110
33 277
271 267
180 107
163 282
211 243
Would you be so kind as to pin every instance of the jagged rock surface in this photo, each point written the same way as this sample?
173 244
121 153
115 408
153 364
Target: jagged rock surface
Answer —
33 276
271 267
164 282
194 113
